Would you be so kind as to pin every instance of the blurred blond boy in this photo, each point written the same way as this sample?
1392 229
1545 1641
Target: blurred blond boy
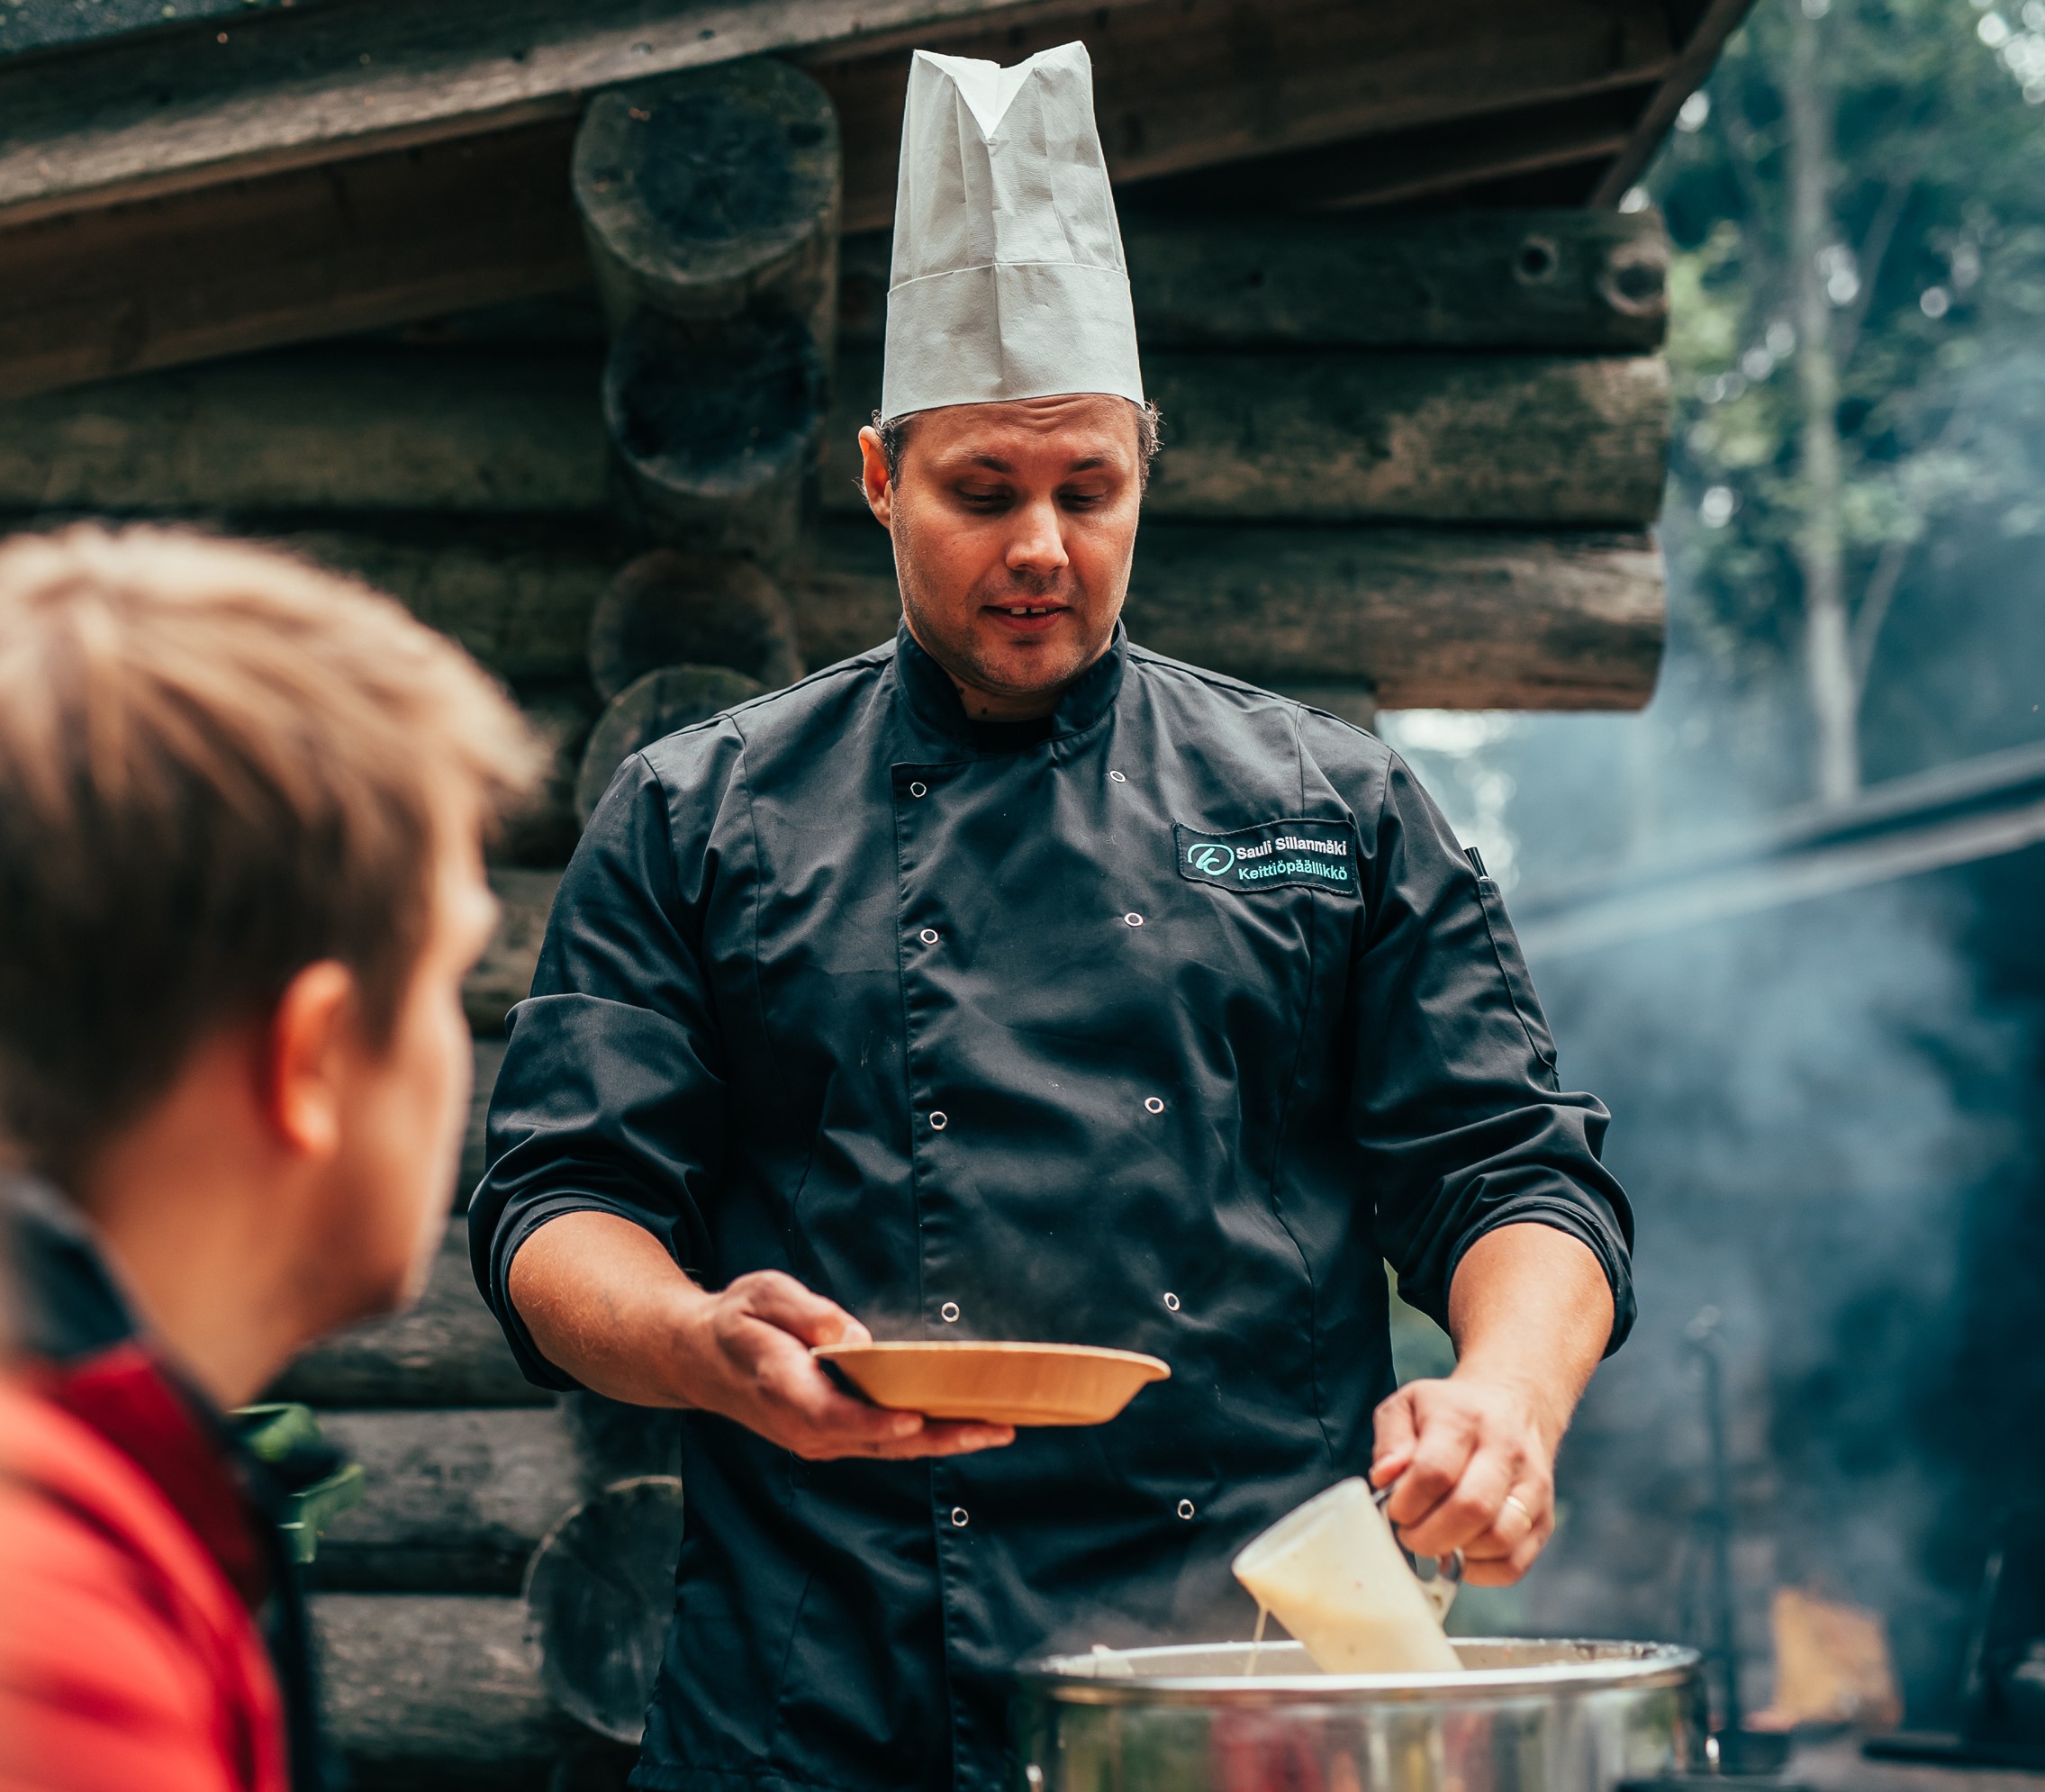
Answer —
242 805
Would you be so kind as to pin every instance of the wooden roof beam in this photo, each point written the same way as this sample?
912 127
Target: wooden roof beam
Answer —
295 88
1425 162
1182 82
1712 22
312 252
1182 85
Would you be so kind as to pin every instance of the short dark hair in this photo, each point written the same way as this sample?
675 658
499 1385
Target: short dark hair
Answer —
894 432
218 766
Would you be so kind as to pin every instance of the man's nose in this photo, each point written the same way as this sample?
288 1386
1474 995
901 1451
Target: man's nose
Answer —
1037 547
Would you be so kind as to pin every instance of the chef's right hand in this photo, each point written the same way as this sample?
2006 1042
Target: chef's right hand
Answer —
748 1352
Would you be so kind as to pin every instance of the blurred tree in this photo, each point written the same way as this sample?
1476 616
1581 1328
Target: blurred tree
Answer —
1857 202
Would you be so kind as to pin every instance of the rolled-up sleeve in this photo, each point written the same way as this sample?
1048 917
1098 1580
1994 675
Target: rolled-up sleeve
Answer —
611 1095
1457 1109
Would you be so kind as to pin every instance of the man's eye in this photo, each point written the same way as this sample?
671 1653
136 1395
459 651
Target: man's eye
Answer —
982 497
1083 500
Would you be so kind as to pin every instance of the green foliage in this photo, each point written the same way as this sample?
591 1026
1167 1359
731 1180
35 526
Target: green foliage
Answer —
1936 273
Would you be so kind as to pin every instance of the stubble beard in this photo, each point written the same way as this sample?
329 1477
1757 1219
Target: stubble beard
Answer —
958 650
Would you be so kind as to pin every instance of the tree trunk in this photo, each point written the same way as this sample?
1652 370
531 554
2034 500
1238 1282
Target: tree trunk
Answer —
1828 663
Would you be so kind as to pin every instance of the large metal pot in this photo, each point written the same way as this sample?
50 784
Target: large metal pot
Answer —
1525 1716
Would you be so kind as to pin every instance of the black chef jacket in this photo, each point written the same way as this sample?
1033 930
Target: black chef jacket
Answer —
1156 1025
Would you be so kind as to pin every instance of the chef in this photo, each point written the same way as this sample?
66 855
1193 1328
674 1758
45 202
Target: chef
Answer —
1012 981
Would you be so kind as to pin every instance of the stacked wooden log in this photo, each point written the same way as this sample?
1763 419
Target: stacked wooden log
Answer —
1407 458
711 202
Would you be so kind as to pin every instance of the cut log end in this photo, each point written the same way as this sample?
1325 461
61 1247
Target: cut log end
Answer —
718 427
672 609
700 193
675 697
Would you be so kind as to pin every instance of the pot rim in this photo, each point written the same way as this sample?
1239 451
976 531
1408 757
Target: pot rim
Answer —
1616 1666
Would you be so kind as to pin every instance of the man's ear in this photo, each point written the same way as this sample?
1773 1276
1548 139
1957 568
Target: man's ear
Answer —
874 477
315 1038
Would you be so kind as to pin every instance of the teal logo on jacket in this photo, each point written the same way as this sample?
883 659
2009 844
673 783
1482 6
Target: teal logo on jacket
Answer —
1321 855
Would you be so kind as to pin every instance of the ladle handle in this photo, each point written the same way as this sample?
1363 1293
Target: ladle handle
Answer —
1439 1587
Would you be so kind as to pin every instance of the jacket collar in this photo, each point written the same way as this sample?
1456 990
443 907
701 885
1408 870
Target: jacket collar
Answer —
84 1351
932 699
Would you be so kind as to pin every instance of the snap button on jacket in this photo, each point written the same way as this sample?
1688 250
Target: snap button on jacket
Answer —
1308 1060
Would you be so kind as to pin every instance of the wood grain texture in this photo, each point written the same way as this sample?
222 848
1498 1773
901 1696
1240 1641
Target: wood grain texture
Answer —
1713 23
1595 281
706 193
447 1351
1331 437
717 429
519 595
1437 438
403 161
1455 619
1509 618
1180 84
1460 618
353 245
340 428
1184 83
1573 131
454 1501
428 1690
295 88
1493 438
386 239
1589 281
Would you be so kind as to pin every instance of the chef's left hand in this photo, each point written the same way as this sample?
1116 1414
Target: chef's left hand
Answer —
1474 1465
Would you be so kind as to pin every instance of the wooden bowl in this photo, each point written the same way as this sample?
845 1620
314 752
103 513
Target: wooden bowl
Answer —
999 1383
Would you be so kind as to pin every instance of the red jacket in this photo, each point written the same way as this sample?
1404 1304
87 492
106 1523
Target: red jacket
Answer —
127 1657
137 1551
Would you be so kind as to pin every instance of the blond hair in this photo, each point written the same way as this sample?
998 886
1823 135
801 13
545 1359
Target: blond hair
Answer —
218 764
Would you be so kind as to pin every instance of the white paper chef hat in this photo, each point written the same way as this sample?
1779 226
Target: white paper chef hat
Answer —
1009 280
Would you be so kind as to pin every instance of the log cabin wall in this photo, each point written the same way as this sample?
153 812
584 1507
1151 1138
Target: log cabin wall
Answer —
1411 458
